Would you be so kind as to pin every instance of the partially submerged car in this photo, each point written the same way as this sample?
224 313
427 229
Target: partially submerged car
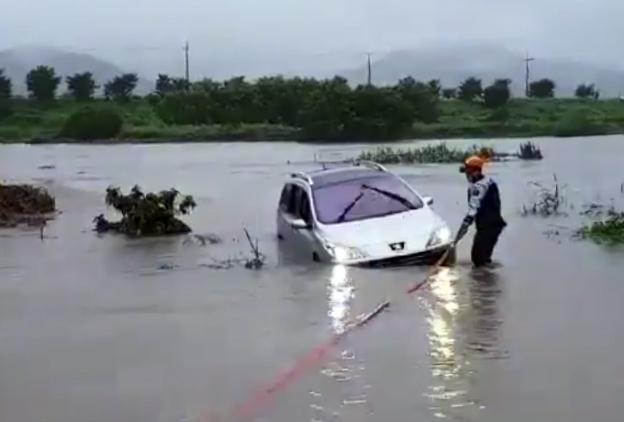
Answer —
359 214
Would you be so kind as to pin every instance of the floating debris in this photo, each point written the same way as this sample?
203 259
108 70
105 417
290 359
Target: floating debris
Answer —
203 239
25 204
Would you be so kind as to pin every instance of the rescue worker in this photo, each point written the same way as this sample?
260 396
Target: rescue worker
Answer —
484 209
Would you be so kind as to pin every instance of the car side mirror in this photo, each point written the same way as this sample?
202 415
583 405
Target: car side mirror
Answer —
428 200
299 224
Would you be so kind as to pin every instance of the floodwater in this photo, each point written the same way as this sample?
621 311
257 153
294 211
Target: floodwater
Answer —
104 329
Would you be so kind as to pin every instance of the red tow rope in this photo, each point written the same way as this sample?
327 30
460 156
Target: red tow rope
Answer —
251 407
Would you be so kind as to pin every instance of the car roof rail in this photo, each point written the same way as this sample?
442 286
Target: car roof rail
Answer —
302 176
371 164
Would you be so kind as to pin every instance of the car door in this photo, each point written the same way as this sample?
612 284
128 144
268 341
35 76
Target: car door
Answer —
296 205
305 238
283 217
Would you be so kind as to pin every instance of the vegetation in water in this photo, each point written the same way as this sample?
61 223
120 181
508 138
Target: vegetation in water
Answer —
548 202
609 230
529 151
24 204
441 153
151 214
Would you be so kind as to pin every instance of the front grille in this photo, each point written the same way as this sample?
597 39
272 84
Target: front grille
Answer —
421 258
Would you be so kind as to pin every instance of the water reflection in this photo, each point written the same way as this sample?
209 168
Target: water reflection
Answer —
464 326
344 385
341 293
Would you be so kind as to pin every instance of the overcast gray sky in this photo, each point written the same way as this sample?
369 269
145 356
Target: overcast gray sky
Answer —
231 34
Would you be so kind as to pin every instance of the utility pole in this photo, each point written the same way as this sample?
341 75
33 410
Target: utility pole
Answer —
186 66
370 72
527 60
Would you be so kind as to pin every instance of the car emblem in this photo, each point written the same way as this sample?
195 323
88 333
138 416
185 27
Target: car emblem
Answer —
399 246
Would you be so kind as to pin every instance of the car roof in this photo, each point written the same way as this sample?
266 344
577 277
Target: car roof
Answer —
331 176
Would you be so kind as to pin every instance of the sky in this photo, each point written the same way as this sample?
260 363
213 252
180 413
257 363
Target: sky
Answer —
261 36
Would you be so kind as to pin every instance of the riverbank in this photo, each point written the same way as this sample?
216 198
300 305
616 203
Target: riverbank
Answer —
457 119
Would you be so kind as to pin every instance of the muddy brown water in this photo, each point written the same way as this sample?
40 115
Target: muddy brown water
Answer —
105 329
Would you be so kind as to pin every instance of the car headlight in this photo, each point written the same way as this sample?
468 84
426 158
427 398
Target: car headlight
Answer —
344 254
440 236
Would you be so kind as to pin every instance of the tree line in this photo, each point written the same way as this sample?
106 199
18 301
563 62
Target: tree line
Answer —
42 84
328 109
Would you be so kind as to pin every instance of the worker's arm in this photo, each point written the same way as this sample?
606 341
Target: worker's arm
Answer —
475 197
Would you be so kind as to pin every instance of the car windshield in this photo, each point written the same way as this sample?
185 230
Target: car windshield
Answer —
363 198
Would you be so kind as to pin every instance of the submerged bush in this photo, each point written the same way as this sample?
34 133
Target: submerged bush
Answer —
152 214
530 151
92 123
18 201
609 230
439 153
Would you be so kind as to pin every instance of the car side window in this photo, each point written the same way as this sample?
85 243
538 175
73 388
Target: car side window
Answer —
293 200
305 212
285 197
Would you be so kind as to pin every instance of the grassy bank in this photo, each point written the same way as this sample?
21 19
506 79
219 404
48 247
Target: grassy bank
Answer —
457 119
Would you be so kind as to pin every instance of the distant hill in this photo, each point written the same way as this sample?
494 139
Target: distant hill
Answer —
454 64
18 62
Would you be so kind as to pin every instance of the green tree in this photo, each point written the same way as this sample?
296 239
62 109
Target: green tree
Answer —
423 98
327 110
167 85
181 108
42 83
5 86
378 113
470 89
497 94
121 87
544 88
164 84
93 123
587 91
82 86
435 87
449 93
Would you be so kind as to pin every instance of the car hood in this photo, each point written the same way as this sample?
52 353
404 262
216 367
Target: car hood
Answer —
412 227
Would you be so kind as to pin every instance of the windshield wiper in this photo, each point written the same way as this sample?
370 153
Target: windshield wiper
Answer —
349 207
404 201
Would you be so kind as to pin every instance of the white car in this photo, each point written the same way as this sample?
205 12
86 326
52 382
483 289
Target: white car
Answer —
359 214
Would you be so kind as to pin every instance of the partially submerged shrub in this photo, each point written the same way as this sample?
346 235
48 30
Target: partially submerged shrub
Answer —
92 123
548 201
439 153
609 231
529 151
152 214
19 202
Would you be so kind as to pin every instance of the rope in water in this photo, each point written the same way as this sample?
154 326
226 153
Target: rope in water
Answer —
251 407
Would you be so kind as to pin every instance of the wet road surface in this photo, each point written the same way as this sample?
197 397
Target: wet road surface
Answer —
104 329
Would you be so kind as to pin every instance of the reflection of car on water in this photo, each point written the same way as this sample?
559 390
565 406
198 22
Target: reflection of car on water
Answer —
359 213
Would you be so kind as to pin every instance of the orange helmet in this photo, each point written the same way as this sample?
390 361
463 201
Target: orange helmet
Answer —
473 162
